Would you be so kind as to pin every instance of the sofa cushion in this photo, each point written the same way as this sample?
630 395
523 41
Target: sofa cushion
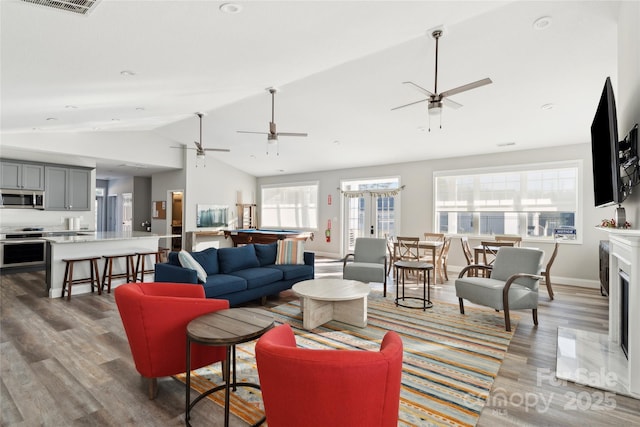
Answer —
290 252
208 259
266 253
260 276
233 259
223 284
172 259
187 261
294 271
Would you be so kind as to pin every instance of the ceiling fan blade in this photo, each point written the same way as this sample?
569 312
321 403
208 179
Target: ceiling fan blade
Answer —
222 150
198 145
466 87
419 88
413 103
291 134
452 104
248 131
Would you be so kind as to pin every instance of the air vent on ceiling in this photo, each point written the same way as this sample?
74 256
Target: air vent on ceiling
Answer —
81 7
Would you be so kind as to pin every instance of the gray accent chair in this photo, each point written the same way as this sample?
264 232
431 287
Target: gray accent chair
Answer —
511 283
369 262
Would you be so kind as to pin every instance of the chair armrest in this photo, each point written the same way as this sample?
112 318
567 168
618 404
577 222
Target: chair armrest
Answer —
514 277
174 274
345 259
476 267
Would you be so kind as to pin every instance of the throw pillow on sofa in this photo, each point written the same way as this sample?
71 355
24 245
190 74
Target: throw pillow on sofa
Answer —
266 253
187 261
290 252
208 259
234 259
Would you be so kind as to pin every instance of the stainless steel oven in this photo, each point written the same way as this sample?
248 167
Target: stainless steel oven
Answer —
20 250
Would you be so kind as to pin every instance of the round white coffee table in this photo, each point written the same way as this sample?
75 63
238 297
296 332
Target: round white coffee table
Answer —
322 300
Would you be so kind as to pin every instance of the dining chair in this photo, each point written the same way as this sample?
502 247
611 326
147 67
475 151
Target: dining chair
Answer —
442 260
407 249
468 254
434 237
547 271
517 240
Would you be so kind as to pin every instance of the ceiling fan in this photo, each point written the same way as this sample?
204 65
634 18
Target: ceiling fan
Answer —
200 150
273 134
437 100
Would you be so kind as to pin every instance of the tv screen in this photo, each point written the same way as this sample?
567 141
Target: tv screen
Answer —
604 151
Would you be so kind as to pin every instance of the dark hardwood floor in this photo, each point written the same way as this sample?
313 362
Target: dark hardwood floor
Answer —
67 363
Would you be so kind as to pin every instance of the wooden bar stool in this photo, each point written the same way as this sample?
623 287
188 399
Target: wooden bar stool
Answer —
107 274
164 257
140 264
68 274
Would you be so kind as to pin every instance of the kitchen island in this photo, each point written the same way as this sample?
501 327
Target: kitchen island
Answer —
88 244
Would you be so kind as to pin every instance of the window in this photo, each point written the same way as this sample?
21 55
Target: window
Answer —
290 206
528 200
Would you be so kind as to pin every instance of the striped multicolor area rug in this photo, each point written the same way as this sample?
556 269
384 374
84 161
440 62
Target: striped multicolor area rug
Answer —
450 360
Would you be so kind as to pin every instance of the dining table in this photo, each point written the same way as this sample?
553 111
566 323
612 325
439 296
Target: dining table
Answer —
425 245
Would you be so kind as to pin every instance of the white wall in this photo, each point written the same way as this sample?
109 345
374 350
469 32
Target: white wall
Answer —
628 93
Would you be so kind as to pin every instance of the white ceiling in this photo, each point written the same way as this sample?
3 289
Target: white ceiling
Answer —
339 67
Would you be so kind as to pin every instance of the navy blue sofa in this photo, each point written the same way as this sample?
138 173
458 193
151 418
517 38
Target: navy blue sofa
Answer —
238 274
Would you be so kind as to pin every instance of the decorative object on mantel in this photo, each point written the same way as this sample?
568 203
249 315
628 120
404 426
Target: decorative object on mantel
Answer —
386 192
611 223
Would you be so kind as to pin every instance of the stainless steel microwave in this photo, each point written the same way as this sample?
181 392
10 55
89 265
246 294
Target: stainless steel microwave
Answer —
24 199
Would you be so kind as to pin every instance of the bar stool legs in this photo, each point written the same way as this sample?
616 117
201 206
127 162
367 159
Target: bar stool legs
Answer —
108 275
68 281
140 264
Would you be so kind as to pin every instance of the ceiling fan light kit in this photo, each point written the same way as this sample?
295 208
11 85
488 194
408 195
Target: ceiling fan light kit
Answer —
436 100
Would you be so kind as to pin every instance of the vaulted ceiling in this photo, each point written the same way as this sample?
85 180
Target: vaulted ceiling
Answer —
339 66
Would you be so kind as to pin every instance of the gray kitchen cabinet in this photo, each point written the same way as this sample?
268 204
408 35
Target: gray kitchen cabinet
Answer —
67 189
21 176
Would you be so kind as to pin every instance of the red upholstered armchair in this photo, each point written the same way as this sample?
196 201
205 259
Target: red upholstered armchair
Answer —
303 387
155 318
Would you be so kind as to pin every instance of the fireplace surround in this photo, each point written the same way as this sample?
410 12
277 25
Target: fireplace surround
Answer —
599 360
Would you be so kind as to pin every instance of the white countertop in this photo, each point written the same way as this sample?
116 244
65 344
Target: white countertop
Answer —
87 236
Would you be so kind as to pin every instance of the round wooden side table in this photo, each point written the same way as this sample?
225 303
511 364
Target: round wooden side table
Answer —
420 267
225 328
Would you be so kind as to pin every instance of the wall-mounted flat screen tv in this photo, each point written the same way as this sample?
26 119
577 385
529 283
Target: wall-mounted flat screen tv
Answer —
607 185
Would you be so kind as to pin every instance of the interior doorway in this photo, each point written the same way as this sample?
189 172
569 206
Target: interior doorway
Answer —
176 219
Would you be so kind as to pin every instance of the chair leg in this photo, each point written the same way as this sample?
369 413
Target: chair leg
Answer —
153 388
507 320
535 316
547 281
461 305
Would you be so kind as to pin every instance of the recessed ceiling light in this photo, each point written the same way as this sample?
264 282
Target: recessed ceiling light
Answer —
51 119
336 142
230 8
547 107
72 107
506 144
140 108
127 73
281 170
115 120
542 23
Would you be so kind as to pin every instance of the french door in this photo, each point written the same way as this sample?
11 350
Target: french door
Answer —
369 211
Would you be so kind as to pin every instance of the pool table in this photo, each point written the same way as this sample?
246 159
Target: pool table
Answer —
253 235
